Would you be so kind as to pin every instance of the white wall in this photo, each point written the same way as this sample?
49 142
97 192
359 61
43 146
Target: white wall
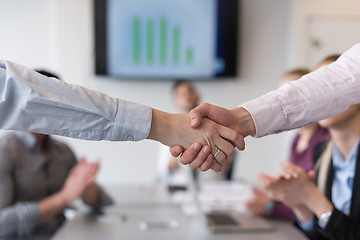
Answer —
303 10
57 34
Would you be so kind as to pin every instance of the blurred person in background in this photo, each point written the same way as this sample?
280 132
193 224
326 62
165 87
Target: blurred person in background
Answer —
186 98
301 152
39 178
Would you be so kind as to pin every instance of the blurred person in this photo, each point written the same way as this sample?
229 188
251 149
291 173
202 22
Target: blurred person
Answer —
301 152
330 208
185 98
39 178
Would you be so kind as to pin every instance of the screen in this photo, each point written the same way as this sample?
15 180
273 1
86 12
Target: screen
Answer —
165 39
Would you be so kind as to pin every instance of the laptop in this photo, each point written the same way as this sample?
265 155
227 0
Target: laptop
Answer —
227 221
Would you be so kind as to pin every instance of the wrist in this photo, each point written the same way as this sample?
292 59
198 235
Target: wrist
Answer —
318 203
160 124
63 199
244 122
302 213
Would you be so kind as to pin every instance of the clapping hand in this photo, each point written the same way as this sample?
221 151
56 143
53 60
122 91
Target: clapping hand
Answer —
291 186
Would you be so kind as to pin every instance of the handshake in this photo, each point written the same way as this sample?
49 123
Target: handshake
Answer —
206 137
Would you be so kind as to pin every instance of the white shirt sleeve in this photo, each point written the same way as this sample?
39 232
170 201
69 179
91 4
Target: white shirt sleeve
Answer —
317 95
32 102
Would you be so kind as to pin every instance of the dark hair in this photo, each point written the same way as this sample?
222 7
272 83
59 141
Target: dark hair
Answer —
46 73
331 58
180 82
298 71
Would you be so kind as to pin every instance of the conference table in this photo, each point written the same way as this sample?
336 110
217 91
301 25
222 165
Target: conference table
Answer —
137 207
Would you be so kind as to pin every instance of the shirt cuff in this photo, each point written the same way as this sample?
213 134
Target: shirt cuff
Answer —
28 217
308 225
267 113
132 122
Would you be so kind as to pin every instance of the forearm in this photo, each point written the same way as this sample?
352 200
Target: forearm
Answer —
52 206
318 95
35 103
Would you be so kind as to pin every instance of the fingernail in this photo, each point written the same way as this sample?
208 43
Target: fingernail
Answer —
193 121
206 150
177 150
197 146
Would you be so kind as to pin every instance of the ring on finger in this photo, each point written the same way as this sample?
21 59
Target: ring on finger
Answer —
217 153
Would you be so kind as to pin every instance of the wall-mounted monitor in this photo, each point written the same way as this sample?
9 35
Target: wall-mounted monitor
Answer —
166 39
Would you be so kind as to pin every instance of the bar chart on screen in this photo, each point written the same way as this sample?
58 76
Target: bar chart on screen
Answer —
161 38
163 41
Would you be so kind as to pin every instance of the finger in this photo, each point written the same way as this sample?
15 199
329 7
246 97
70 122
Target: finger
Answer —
219 157
208 163
292 166
82 159
233 136
265 180
98 161
292 170
201 157
226 149
311 174
194 152
198 113
176 150
216 167
285 174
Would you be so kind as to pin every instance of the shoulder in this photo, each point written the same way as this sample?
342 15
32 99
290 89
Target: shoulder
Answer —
59 146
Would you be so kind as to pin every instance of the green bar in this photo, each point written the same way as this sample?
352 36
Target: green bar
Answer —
149 41
189 55
136 39
176 44
162 47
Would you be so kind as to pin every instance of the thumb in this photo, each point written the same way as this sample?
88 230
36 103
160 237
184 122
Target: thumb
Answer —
198 113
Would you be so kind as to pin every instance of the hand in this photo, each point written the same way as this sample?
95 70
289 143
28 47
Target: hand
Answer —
172 129
257 203
292 186
80 177
238 119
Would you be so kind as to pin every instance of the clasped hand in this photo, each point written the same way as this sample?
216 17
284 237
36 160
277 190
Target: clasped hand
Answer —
222 129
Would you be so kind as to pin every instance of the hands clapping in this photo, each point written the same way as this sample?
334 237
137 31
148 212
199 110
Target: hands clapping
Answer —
80 177
291 186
